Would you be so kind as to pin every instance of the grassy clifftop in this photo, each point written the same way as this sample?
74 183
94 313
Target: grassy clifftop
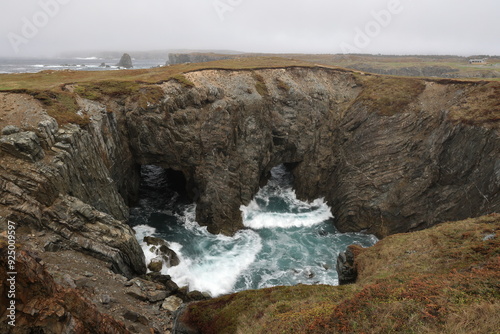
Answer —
52 80
442 280
385 94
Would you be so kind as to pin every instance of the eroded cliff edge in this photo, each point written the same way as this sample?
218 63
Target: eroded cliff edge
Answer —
388 154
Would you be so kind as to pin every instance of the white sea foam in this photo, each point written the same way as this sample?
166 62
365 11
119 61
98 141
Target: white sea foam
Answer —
257 218
215 262
142 231
217 269
288 242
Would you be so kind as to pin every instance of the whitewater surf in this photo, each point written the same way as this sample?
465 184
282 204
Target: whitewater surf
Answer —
287 241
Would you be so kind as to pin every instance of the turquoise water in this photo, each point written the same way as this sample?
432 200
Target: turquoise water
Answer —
286 242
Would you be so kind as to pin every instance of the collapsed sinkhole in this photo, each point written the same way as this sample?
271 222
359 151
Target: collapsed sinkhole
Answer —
285 241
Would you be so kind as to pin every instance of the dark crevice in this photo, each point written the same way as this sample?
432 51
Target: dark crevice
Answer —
163 186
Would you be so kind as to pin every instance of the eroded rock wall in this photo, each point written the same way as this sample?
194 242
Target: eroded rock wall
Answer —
381 172
73 181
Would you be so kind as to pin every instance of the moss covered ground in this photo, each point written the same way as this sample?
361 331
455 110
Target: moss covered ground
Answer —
442 280
386 95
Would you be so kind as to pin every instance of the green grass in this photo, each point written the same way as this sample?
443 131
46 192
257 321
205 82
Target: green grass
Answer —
50 80
388 95
61 105
185 82
134 91
481 105
260 85
444 279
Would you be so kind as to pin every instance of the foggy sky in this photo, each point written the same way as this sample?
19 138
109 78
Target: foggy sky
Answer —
464 27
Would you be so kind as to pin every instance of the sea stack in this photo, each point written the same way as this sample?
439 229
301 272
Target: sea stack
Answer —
125 61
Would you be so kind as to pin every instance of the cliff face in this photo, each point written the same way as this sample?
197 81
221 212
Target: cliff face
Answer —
388 159
389 155
72 181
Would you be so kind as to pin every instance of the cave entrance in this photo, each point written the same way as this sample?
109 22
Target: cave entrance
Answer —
162 187
283 171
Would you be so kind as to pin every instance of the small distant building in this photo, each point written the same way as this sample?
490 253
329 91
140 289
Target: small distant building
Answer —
477 61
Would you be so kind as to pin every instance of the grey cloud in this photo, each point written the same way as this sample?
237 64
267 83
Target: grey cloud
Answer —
319 26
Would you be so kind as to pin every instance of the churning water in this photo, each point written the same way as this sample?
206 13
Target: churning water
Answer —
287 241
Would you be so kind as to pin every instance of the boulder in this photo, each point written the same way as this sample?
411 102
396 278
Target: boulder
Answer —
22 145
346 268
172 303
10 129
156 265
161 248
147 291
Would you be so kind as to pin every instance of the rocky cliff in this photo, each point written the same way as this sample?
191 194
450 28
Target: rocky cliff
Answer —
389 155
125 61
69 180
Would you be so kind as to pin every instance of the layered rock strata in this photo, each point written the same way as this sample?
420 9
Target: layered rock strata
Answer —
382 171
388 156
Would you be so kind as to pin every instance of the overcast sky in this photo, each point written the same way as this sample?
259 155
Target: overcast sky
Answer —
49 27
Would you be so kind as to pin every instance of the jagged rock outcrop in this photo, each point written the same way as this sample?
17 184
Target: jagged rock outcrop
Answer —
389 155
125 61
382 171
43 306
67 179
345 267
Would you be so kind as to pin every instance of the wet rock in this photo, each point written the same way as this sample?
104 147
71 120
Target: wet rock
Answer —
154 241
161 248
156 265
346 269
197 295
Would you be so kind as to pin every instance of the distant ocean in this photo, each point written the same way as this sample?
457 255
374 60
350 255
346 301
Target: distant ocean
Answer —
32 65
